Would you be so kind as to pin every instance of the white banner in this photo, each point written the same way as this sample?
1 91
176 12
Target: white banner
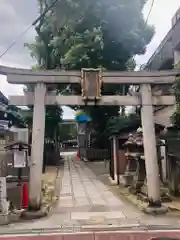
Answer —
19 159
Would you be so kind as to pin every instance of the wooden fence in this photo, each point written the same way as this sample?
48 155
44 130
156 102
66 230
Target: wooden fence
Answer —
97 154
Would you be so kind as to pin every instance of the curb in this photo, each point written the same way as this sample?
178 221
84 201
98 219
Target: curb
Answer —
172 208
27 215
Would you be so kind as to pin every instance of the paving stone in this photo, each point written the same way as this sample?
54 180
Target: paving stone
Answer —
86 189
91 215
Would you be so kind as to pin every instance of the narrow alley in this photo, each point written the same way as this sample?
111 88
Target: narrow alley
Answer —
88 201
85 203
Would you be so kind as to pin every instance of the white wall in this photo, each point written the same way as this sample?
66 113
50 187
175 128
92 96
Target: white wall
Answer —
21 134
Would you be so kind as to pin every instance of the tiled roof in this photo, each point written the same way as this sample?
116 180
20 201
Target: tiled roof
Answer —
3 99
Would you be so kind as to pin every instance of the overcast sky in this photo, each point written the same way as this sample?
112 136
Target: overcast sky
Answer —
16 15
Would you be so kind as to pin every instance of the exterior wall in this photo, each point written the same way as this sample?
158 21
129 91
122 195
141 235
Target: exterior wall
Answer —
163 53
163 116
20 134
176 18
176 30
171 41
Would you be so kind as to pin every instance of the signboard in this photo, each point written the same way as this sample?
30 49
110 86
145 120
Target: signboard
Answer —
82 129
91 83
19 159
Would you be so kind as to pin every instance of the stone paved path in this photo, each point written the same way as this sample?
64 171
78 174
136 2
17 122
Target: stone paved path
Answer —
87 199
85 203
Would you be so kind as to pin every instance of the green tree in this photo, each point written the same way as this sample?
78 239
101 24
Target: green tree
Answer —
40 51
52 120
89 34
68 132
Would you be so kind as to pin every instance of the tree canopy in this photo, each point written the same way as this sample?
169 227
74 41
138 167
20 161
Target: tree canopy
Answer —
68 132
52 118
77 34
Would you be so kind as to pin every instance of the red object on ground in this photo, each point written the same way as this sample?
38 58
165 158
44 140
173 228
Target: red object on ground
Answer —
24 196
78 155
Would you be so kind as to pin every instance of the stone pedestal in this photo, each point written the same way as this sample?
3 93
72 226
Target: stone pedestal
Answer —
161 210
128 177
164 193
139 177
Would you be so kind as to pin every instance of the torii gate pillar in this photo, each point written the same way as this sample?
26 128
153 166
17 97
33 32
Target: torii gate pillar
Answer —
37 146
150 151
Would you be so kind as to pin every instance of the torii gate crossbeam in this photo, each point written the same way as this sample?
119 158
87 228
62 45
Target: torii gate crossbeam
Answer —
25 76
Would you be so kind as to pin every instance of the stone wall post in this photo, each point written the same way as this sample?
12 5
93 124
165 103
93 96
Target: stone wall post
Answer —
3 196
115 159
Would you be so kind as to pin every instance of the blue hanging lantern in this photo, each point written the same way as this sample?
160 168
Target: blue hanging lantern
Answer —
82 117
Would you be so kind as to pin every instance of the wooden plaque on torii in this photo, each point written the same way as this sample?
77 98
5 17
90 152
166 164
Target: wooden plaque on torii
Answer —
91 82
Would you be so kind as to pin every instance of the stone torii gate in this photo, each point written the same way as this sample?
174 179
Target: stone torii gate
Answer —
91 81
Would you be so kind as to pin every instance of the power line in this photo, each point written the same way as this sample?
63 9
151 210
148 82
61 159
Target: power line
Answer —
15 41
28 28
41 16
150 10
146 21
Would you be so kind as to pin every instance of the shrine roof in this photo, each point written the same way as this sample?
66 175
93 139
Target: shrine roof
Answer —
131 125
15 143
